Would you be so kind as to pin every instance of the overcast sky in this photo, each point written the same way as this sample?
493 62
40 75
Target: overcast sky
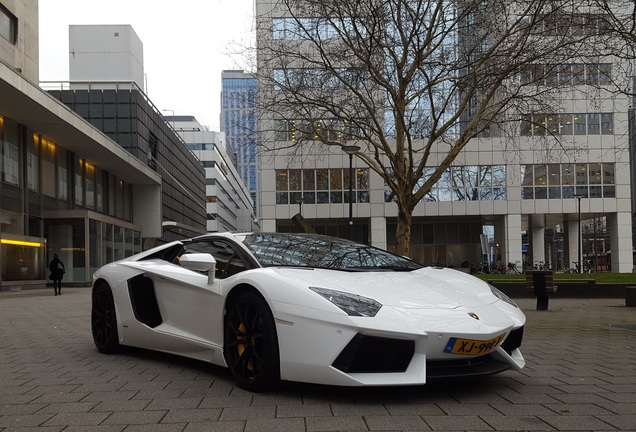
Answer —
186 43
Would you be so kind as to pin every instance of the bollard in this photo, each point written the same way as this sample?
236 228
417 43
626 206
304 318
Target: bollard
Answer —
541 283
630 296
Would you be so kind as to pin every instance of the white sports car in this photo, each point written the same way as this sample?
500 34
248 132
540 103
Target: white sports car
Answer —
307 308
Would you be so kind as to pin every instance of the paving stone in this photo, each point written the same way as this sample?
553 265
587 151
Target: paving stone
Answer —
578 423
76 419
24 420
395 409
341 423
623 422
468 409
248 413
275 425
393 423
580 375
358 409
181 403
123 405
227 401
456 423
515 423
192 415
312 410
226 426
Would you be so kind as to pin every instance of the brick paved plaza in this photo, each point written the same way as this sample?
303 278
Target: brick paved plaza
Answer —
580 376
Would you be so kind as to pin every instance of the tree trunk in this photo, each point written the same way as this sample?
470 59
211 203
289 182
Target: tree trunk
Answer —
403 231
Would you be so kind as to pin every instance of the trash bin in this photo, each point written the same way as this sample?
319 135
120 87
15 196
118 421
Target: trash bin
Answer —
541 284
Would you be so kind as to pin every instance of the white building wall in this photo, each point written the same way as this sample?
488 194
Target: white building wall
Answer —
23 56
228 199
105 53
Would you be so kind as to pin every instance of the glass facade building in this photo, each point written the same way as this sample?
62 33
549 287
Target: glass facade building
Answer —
239 123
130 119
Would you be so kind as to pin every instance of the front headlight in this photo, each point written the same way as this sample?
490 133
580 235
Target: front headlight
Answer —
502 296
351 304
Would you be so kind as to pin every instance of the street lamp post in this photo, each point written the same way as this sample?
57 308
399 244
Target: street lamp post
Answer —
579 240
351 150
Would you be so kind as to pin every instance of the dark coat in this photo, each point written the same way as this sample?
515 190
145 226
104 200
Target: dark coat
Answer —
57 273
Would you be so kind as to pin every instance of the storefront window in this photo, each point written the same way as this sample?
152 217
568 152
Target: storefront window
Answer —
67 238
22 259
108 251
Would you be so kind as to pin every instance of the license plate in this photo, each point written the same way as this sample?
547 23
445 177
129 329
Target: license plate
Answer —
473 346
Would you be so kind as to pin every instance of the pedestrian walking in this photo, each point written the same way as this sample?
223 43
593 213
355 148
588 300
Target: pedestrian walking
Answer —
56 267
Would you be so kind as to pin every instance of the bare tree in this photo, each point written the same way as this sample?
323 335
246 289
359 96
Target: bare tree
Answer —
412 82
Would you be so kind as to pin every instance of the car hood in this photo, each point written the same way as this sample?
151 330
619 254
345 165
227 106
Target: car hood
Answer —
425 288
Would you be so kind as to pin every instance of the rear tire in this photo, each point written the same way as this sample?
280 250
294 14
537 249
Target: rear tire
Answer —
251 343
104 320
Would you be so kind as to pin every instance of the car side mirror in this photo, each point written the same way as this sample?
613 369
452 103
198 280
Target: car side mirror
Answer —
201 262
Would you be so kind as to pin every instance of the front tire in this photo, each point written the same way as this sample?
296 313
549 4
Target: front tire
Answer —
251 343
104 320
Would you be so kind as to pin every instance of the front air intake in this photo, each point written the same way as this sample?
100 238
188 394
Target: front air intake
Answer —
371 354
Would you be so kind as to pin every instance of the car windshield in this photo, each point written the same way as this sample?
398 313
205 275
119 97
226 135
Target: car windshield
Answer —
311 250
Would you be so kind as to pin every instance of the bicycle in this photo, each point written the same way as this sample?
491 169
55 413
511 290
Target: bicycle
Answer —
588 266
576 269
512 268
484 268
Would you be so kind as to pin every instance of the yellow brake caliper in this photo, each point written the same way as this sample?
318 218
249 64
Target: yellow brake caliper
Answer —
242 339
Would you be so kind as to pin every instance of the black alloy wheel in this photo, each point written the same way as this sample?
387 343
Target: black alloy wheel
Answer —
104 320
251 343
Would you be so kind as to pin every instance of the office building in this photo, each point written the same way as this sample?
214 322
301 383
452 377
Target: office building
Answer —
238 122
512 191
229 206
65 187
108 65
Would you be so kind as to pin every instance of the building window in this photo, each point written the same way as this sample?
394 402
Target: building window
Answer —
48 167
79 181
463 183
556 181
62 175
9 151
8 25
568 124
321 186
33 166
89 185
574 74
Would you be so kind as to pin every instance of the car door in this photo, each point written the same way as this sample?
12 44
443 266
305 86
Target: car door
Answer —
191 307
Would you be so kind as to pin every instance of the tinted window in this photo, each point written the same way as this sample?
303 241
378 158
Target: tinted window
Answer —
228 261
321 251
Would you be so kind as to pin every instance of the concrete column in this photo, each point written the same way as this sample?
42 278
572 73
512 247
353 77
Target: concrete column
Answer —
268 225
378 232
572 231
620 228
512 240
537 227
